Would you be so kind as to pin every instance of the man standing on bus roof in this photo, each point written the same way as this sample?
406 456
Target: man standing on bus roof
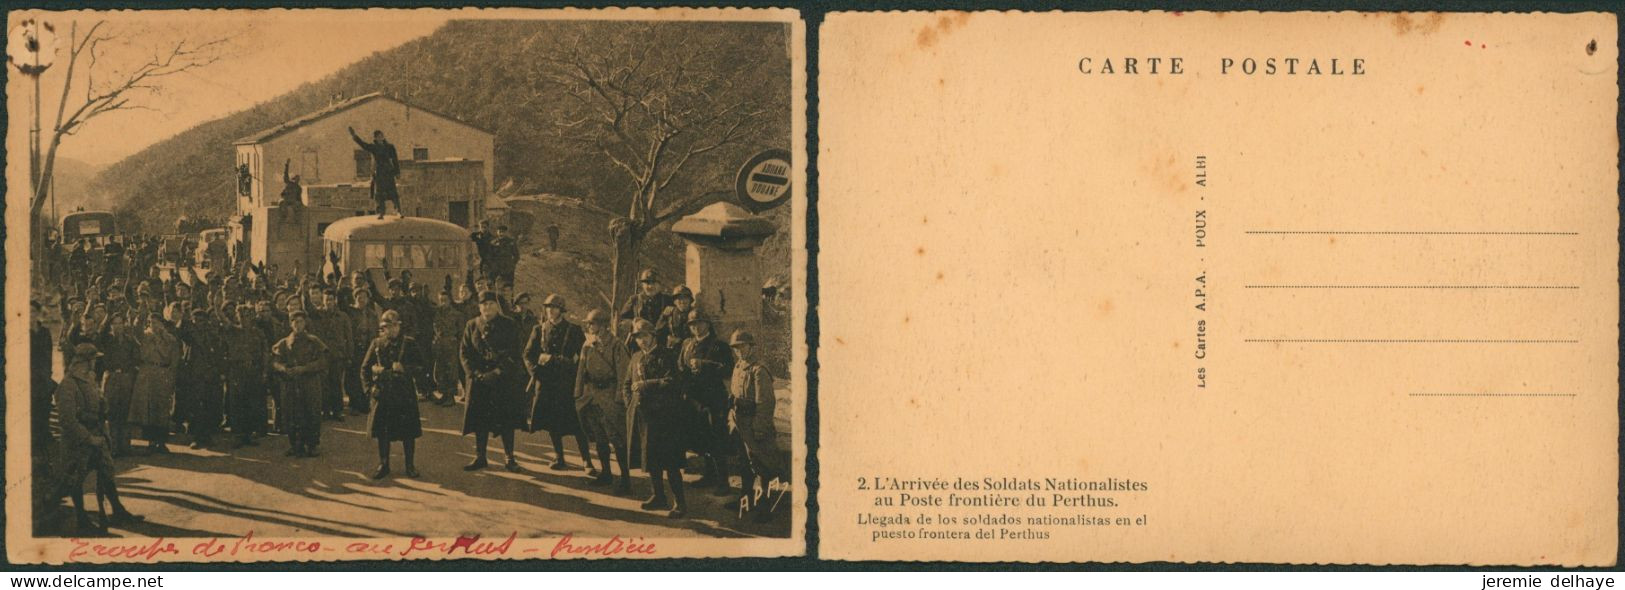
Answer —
385 167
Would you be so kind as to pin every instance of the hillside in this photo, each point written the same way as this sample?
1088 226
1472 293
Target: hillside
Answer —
487 73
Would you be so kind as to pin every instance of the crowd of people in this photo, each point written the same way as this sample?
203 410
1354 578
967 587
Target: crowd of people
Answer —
237 358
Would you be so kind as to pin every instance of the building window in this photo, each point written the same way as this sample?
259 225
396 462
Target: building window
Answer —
420 153
373 256
363 164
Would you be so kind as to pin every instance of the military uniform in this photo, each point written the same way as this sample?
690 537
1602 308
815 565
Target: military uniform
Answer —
246 347
750 419
448 320
552 384
200 378
395 409
705 365
333 328
302 356
660 408
119 359
489 350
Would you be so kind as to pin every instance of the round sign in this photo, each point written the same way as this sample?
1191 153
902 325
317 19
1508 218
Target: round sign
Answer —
764 180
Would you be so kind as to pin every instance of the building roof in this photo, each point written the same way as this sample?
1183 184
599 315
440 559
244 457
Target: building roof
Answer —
340 107
370 227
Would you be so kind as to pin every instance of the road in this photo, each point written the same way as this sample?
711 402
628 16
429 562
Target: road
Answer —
229 492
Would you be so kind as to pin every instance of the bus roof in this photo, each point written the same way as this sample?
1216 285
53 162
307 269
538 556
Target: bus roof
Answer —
369 227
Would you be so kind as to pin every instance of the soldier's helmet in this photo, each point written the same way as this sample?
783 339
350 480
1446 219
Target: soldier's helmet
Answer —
694 316
643 327
389 318
85 351
741 337
682 292
647 276
554 300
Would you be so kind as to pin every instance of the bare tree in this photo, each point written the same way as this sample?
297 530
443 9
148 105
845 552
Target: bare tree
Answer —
664 108
121 91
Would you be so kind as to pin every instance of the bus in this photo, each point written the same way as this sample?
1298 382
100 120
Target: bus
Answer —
97 226
432 249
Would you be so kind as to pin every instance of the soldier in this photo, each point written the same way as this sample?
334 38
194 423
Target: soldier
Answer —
651 382
599 399
387 370
202 379
40 383
647 304
490 351
299 359
152 403
82 415
705 364
333 328
246 346
385 167
751 425
504 254
551 354
672 328
448 321
364 316
118 379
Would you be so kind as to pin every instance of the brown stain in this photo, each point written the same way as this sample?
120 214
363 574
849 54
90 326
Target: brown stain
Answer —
925 220
1176 344
919 251
939 275
1405 23
1105 307
914 401
1331 240
907 318
929 35
1421 89
840 341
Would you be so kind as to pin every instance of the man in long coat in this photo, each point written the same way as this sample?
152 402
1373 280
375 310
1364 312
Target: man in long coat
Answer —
300 359
364 319
246 349
600 400
152 405
386 165
651 381
333 327
387 371
489 351
202 379
448 323
706 363
551 355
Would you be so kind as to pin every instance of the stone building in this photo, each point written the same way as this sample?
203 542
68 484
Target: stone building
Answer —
446 174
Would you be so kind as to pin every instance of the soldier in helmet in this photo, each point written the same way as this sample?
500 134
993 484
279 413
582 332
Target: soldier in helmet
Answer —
551 354
82 414
672 328
651 381
599 399
704 365
387 370
646 305
750 423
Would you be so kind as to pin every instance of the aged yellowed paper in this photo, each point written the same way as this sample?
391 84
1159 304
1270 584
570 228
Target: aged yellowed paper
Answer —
1293 288
320 285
